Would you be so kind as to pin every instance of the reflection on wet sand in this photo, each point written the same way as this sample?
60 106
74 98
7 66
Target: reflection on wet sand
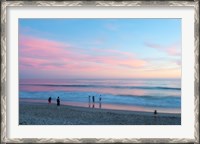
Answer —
109 106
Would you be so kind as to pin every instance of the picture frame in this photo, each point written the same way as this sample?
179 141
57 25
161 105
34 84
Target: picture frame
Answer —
4 69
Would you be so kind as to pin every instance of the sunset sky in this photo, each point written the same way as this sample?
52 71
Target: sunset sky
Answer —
99 48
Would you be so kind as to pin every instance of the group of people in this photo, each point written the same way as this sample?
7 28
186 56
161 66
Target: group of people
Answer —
93 101
58 101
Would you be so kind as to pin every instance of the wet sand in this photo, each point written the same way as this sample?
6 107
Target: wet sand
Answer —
106 106
32 113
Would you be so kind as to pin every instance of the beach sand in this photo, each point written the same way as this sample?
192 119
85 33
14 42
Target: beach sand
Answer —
50 114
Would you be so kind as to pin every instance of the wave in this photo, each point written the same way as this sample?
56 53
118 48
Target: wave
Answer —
106 86
146 101
150 96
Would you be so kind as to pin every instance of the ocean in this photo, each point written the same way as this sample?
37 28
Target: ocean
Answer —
163 95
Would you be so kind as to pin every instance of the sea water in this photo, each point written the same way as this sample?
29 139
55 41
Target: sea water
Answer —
147 94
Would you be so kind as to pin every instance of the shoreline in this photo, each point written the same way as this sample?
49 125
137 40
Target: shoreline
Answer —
50 114
104 106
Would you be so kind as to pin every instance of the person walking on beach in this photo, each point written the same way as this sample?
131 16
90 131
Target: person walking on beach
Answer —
49 100
58 101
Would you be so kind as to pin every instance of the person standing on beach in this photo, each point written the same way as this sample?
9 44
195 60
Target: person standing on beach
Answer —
49 100
58 101
155 112
100 101
89 101
93 100
155 116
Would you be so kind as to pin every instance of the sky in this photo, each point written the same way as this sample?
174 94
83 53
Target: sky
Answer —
99 48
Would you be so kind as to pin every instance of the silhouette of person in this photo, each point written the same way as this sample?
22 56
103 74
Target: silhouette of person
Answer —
49 100
93 99
89 98
155 112
155 115
100 101
89 101
58 101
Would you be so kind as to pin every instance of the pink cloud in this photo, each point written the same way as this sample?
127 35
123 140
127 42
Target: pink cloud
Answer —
129 63
120 58
42 48
42 55
173 49
38 63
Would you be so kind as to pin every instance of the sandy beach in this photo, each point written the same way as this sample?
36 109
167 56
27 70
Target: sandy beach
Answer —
49 114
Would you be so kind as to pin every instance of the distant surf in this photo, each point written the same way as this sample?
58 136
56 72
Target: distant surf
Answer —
106 86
